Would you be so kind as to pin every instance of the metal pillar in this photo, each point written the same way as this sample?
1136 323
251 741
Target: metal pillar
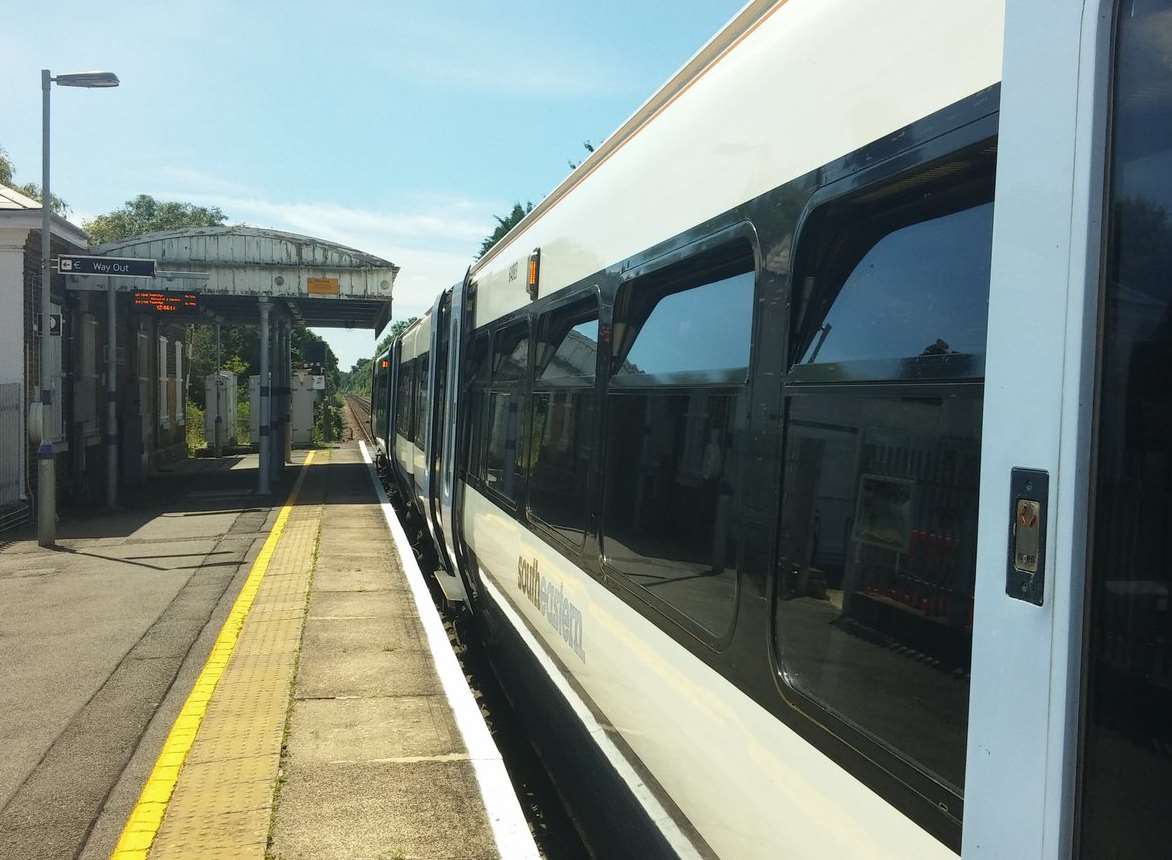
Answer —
46 466
264 470
111 394
275 413
218 430
288 360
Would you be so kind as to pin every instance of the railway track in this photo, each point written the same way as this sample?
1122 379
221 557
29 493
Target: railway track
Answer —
357 419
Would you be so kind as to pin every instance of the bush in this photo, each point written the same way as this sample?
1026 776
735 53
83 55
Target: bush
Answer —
196 441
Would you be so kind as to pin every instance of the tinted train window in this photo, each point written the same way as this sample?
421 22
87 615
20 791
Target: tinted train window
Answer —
573 356
404 401
879 528
701 330
675 400
892 289
1127 759
422 405
478 372
561 445
510 355
877 550
501 416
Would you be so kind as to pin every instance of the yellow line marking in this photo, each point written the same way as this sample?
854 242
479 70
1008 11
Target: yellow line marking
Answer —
142 826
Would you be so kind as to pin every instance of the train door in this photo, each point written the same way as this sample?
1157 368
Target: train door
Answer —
1070 742
440 340
437 447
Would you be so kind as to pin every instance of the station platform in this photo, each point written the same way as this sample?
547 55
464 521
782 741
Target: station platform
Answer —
213 676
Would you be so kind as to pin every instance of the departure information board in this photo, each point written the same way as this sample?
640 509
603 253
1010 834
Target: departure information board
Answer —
166 303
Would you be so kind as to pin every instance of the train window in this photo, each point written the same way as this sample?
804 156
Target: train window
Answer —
879 496
404 400
561 444
897 289
1127 724
510 355
675 400
569 354
698 334
478 370
879 528
502 462
422 404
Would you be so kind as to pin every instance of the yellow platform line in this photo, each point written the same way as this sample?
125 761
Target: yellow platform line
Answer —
142 826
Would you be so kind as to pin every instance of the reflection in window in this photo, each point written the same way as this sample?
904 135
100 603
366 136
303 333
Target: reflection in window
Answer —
563 430
405 400
500 406
510 357
879 519
477 371
920 290
574 355
501 467
704 328
670 504
422 406
1127 766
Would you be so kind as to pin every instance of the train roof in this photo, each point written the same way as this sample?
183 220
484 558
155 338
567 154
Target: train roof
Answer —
785 88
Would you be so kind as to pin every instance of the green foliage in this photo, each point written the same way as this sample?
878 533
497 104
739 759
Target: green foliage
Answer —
503 226
145 214
195 430
357 379
28 189
239 352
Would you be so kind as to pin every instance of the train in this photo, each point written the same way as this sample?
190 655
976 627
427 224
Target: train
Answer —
803 455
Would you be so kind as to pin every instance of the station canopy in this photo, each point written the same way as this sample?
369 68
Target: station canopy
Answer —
318 283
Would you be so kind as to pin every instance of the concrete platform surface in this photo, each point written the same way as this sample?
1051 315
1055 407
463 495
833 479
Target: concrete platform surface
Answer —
97 635
331 719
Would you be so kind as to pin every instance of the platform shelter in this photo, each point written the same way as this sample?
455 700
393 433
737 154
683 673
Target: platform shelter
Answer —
222 275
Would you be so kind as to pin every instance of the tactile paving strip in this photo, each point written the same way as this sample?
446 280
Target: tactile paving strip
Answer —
210 793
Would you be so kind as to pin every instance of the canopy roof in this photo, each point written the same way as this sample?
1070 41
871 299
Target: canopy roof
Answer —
320 283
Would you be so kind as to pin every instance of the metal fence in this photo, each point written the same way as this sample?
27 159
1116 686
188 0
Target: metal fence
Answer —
12 443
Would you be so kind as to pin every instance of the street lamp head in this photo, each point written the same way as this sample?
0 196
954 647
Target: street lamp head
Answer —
87 79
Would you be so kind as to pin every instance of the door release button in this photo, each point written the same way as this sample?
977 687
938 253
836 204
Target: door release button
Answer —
1029 492
1025 538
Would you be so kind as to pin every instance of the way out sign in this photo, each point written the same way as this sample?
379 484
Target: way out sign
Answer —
122 267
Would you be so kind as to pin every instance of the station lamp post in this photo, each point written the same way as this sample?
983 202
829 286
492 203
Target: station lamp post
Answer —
46 467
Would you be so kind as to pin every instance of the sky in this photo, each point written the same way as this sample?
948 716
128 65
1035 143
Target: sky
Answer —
398 128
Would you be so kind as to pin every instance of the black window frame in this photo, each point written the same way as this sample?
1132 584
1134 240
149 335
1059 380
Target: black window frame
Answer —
422 409
473 394
581 306
940 378
513 387
405 401
721 254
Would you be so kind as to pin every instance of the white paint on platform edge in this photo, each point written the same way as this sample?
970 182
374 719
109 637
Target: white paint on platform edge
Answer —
655 810
509 828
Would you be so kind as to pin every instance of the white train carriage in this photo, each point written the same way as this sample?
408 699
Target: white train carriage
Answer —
805 452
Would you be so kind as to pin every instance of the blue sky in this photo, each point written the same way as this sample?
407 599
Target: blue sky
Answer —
398 128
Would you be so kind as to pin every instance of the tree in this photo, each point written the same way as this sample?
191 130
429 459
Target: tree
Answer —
145 214
503 226
396 329
6 169
357 379
28 189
